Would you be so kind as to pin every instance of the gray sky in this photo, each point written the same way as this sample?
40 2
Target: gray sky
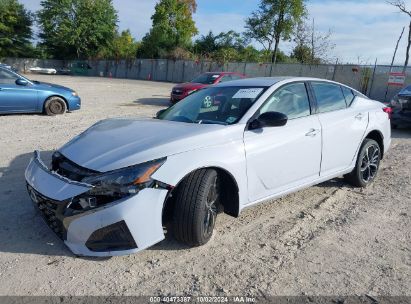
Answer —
362 30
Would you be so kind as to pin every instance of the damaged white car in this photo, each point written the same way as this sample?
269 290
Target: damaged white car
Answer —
113 189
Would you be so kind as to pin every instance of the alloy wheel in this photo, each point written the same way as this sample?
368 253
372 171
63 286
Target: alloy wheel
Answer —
370 163
210 209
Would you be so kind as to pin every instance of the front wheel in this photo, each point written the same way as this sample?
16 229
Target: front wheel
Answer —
196 208
368 163
54 106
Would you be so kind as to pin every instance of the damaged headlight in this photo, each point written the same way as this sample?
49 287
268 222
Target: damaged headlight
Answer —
116 185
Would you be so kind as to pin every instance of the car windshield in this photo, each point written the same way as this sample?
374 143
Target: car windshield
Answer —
9 77
214 105
208 78
406 90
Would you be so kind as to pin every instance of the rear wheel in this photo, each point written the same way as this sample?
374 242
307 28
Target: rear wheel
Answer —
196 208
368 163
54 106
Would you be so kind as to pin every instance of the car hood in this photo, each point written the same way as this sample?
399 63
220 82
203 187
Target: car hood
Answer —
117 143
190 86
48 86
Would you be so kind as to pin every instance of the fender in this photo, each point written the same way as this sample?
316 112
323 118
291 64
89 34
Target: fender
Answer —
229 157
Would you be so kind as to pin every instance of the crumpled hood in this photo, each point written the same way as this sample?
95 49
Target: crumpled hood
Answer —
117 143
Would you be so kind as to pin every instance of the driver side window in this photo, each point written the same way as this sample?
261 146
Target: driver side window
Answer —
7 77
291 100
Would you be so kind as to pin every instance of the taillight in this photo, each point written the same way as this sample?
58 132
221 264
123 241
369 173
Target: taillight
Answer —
388 110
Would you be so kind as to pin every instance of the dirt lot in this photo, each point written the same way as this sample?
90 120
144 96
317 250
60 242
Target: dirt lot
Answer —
331 239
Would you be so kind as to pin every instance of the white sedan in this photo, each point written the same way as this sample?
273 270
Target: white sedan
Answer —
112 189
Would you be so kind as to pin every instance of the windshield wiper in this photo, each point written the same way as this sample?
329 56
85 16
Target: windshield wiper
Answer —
210 122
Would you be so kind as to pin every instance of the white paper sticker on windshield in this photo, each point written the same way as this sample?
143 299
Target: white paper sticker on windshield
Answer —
248 93
215 76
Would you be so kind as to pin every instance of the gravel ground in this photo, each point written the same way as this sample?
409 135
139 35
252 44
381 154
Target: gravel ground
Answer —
330 239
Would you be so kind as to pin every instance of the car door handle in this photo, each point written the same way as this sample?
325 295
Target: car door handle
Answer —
359 116
312 132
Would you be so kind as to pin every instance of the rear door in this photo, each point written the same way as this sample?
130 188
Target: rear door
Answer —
281 158
343 126
15 98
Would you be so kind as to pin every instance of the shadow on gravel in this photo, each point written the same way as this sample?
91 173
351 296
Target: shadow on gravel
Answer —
22 230
401 133
154 101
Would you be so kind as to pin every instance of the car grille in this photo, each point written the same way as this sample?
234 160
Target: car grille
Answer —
69 169
51 211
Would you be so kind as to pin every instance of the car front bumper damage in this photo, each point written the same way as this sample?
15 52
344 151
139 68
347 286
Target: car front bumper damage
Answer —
121 227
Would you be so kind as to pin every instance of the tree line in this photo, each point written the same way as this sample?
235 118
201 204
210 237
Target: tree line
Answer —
88 29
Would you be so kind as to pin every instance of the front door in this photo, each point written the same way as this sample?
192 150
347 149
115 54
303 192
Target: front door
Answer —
281 158
15 98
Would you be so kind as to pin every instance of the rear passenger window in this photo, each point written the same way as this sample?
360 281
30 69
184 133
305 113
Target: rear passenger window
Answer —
348 94
329 96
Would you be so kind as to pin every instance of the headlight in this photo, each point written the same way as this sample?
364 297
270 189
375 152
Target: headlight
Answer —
74 93
115 185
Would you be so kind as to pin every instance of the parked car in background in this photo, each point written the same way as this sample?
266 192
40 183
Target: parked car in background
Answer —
112 189
3 65
46 71
21 95
401 108
181 91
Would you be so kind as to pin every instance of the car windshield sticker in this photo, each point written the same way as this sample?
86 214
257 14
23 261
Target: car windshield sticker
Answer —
215 76
248 93
231 119
208 102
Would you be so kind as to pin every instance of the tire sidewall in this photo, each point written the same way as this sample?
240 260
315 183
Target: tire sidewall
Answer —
200 215
49 104
367 143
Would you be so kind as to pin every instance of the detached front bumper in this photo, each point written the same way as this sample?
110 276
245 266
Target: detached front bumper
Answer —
121 227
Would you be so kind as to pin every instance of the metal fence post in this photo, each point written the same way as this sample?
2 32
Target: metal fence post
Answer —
372 79
335 69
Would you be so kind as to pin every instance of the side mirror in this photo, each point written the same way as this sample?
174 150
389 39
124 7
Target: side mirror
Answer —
22 82
158 114
269 119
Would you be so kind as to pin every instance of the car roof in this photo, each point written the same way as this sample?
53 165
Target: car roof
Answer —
259 81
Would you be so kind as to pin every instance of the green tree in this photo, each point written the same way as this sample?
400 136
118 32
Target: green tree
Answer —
76 28
206 45
123 46
274 21
15 29
173 27
226 46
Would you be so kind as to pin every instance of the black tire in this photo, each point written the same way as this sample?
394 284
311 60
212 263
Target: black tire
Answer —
196 208
55 106
367 165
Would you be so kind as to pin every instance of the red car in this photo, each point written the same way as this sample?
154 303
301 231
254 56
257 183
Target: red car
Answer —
204 80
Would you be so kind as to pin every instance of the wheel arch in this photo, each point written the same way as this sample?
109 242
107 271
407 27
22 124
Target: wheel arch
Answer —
379 138
230 196
54 95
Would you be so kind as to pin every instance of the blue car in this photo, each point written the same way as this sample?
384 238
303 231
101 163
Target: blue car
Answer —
21 95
